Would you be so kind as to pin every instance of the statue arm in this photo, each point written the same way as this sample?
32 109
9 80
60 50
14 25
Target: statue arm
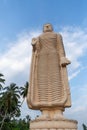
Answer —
60 47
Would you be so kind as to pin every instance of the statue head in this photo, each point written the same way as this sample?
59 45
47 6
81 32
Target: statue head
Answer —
47 27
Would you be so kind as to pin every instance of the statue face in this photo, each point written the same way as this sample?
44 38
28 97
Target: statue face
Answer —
47 28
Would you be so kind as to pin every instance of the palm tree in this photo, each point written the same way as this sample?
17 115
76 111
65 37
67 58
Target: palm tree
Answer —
10 104
2 81
24 91
12 93
28 118
84 127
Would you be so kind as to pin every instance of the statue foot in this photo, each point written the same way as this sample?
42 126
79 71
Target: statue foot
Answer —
58 114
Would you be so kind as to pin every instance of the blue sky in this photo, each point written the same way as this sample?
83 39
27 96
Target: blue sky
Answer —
33 13
20 20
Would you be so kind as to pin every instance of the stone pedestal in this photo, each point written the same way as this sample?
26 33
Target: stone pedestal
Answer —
61 124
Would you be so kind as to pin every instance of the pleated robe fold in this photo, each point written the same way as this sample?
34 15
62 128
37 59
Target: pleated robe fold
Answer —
46 82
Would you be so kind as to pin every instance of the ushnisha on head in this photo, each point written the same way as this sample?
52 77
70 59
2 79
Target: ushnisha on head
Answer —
47 28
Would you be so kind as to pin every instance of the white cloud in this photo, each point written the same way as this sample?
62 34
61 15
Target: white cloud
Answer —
17 57
74 74
75 41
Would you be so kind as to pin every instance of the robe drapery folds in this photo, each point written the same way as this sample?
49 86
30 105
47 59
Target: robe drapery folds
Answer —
48 80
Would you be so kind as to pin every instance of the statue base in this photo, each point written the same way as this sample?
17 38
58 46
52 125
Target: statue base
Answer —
59 124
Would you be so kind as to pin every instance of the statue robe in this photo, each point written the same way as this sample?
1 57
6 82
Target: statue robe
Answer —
48 80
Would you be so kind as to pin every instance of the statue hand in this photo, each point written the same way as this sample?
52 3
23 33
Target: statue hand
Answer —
34 41
35 44
64 61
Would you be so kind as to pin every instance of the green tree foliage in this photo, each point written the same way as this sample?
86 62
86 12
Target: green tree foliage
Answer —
24 91
11 99
10 106
9 103
20 124
2 81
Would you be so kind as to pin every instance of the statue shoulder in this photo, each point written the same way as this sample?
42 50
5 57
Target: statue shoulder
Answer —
41 35
59 35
